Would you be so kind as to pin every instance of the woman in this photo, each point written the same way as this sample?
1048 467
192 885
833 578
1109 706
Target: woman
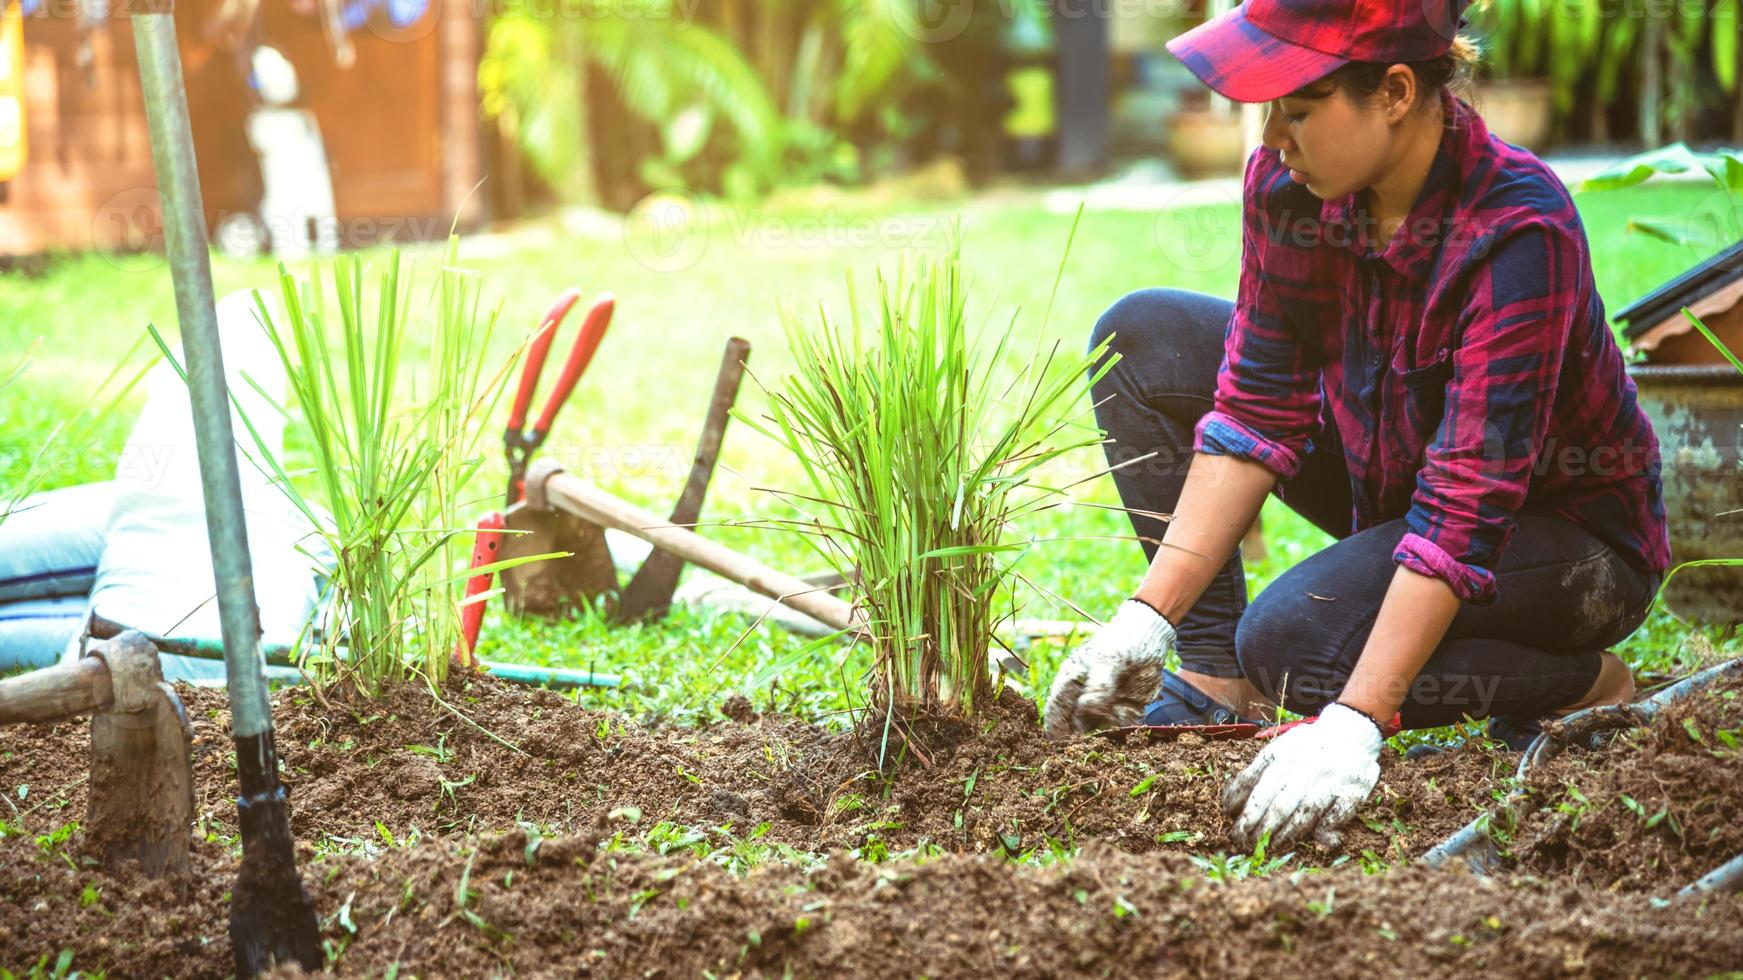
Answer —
1418 363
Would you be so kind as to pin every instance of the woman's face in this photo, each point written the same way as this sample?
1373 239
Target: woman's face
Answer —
1331 141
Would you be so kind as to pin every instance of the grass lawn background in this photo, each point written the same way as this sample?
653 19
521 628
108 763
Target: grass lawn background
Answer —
632 422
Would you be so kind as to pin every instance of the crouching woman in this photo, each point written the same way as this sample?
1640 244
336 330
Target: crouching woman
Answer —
1417 362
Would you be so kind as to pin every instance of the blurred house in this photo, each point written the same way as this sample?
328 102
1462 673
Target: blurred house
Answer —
392 84
1656 327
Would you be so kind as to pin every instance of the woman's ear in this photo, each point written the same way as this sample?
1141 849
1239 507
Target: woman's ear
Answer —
1398 93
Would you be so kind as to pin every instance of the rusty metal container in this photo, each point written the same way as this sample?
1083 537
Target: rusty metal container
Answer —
1697 411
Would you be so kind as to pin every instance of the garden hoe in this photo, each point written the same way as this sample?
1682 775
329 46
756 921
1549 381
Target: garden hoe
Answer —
272 920
649 592
530 527
141 800
548 486
545 587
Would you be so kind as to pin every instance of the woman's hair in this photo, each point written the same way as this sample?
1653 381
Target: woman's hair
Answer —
1453 70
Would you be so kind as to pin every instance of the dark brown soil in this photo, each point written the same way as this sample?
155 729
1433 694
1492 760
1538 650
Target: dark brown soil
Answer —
478 896
1655 806
497 755
513 905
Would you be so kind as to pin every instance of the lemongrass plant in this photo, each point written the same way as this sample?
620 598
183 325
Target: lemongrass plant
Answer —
394 442
922 445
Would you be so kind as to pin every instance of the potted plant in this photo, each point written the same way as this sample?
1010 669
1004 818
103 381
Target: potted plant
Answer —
1207 136
1516 100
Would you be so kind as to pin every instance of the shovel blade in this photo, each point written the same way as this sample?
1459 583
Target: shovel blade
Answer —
272 920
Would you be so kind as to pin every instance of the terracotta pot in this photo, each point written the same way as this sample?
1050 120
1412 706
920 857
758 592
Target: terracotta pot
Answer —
1520 111
1203 142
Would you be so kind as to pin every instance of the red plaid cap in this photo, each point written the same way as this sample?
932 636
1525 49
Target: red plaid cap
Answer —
1265 49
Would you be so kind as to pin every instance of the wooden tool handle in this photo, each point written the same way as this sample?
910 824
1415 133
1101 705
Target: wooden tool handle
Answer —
578 497
649 592
57 692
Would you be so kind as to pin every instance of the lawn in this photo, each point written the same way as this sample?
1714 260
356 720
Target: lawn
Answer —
632 422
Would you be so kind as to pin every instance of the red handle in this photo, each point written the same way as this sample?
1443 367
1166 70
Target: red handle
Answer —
485 546
536 351
1391 728
592 332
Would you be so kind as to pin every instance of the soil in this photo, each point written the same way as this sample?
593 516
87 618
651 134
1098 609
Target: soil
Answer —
504 830
491 755
1660 804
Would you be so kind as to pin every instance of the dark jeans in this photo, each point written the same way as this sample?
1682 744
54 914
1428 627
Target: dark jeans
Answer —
1563 595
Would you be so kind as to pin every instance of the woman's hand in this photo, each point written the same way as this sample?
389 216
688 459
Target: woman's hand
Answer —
1308 781
1106 682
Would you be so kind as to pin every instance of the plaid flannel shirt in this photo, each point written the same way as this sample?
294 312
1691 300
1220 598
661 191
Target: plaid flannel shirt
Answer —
1466 371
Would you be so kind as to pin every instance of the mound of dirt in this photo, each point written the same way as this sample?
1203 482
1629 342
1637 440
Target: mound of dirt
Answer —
1653 810
489 755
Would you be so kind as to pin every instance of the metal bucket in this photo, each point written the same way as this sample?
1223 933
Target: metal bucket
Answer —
1697 411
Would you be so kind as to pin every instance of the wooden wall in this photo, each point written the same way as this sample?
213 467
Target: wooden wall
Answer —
88 180
400 125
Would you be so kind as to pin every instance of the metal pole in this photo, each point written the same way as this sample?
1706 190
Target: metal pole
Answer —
184 231
271 918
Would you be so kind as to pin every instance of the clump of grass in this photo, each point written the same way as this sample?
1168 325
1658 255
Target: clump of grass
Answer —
393 445
921 444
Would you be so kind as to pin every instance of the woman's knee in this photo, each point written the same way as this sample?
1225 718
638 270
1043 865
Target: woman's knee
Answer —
1131 316
1279 657
1149 321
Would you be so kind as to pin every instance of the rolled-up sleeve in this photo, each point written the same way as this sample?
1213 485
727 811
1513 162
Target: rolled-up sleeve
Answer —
1268 391
1499 401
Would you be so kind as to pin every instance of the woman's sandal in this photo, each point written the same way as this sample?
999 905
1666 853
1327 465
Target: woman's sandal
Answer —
1180 703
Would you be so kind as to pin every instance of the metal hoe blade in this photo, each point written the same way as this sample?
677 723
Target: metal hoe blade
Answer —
141 804
142 787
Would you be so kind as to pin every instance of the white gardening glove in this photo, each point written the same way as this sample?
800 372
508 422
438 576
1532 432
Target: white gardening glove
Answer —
1106 682
1309 780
